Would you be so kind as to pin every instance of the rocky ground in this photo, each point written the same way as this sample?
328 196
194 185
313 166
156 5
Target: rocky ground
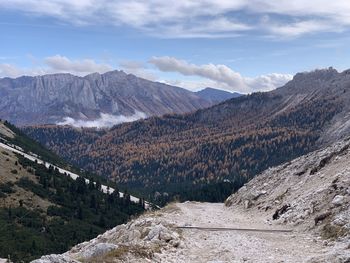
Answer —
310 193
154 238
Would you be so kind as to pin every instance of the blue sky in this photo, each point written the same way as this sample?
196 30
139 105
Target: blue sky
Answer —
235 45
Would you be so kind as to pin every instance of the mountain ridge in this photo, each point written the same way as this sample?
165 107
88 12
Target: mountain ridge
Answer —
215 95
52 98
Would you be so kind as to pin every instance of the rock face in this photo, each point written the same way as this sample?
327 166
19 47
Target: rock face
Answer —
311 192
322 85
52 98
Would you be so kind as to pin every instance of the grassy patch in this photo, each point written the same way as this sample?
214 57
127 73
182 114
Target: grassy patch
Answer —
122 252
330 231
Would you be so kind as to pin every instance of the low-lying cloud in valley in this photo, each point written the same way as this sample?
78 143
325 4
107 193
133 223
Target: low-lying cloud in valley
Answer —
105 121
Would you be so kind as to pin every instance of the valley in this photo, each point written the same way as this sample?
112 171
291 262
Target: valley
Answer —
313 228
206 131
279 160
231 141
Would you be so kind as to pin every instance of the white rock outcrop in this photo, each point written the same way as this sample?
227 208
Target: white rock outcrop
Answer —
142 237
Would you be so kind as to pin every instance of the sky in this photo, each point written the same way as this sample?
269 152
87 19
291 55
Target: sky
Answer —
235 45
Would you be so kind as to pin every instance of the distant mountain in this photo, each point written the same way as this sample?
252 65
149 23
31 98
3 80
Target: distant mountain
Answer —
108 98
233 140
215 95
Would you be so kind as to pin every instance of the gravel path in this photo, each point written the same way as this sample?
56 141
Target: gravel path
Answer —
234 246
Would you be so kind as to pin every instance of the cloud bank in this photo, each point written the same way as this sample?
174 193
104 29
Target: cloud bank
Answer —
221 75
105 121
184 18
60 63
138 68
56 64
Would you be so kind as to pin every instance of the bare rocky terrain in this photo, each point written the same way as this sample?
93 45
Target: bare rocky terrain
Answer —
308 196
154 238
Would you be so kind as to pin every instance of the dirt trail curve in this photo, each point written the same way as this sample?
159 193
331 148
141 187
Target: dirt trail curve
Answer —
234 246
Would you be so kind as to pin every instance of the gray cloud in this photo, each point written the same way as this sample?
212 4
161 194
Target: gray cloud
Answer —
210 18
223 76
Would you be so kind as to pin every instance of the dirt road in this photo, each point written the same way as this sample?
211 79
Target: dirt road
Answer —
234 246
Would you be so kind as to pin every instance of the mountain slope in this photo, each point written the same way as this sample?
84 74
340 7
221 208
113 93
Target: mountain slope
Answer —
215 95
311 192
43 210
58 97
312 228
233 140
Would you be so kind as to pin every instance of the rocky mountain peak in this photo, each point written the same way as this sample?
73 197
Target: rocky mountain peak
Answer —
319 74
319 80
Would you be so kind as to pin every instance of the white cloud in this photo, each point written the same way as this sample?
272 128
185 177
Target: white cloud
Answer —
196 85
138 69
268 81
60 63
8 70
105 120
55 64
185 18
221 75
12 71
300 28
211 75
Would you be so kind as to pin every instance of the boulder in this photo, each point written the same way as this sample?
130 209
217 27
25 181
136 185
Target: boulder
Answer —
96 250
338 200
155 232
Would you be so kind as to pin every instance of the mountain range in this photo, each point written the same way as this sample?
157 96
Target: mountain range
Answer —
101 99
231 141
